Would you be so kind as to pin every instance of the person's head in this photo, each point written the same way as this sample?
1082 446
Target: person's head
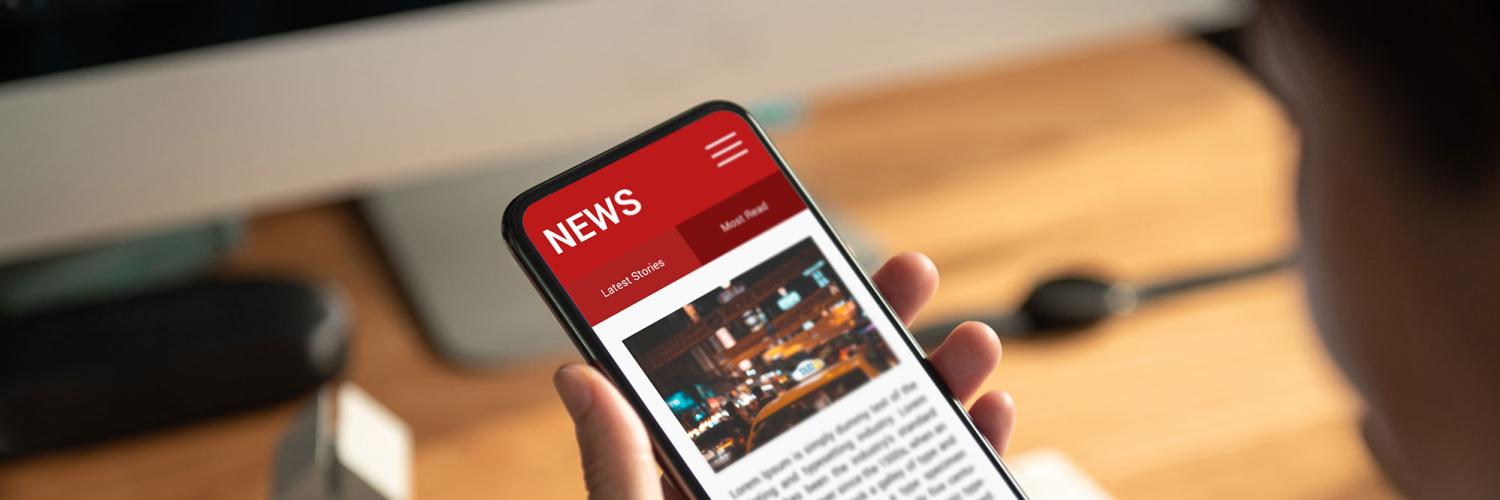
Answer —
1398 105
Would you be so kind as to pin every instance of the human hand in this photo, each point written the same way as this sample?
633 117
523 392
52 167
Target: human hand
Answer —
617 458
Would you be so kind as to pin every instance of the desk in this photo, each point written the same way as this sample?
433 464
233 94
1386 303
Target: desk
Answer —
1140 159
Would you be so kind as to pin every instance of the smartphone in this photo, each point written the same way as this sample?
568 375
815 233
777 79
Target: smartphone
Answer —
689 265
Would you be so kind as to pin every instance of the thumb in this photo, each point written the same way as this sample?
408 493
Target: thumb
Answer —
617 458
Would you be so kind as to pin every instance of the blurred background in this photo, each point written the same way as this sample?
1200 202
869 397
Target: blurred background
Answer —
210 208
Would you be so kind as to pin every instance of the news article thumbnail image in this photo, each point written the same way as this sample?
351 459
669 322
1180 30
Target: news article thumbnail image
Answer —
743 364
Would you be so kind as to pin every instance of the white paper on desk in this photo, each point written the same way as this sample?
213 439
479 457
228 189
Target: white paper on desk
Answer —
373 443
1047 474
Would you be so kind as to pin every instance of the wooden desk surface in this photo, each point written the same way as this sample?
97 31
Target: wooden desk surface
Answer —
1140 159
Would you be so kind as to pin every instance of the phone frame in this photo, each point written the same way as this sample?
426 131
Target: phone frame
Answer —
590 346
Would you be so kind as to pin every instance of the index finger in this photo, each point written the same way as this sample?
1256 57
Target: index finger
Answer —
907 282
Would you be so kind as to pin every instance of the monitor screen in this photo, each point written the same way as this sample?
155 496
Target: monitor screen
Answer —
49 36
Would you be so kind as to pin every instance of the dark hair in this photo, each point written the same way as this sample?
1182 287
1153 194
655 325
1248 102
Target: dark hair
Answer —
1435 64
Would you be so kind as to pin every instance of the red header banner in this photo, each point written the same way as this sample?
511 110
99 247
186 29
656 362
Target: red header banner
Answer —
642 222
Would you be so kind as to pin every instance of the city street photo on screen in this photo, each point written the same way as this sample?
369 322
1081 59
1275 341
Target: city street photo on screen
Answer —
748 361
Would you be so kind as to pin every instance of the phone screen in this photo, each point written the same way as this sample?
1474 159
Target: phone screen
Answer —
742 329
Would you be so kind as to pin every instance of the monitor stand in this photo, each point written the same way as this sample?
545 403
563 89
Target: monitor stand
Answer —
441 237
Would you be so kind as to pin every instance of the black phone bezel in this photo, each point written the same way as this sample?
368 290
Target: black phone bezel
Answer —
588 343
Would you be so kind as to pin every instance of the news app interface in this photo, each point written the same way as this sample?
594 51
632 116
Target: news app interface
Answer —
734 317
